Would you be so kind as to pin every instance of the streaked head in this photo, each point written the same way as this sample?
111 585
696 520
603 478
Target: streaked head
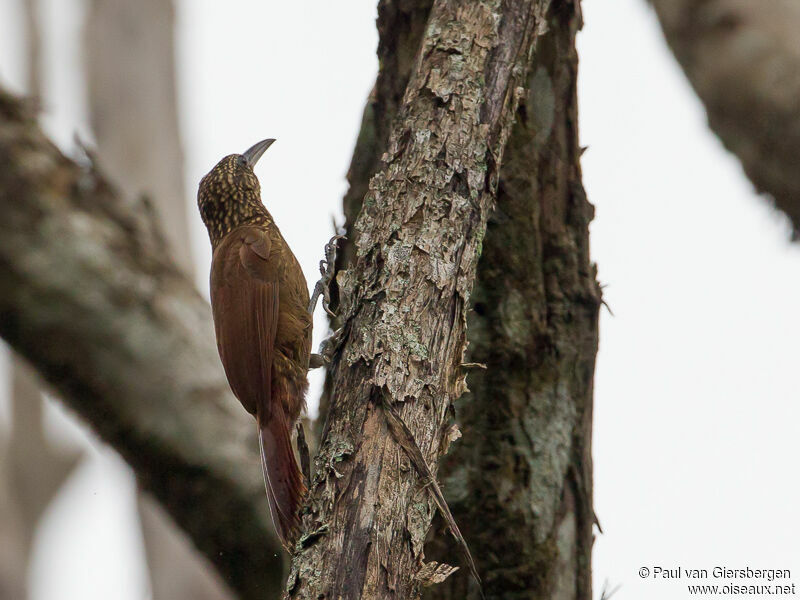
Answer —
230 194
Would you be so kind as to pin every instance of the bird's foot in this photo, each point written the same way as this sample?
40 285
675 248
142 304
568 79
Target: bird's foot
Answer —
326 350
327 268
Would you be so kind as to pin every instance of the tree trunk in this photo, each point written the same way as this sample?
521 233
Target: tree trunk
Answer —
130 66
519 481
404 302
550 345
32 471
743 60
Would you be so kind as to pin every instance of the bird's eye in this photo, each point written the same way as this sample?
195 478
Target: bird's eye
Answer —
241 161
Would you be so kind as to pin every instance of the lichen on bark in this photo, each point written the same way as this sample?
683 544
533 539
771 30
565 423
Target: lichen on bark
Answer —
520 479
405 299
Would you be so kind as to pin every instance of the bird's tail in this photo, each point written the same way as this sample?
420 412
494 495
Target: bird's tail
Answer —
282 477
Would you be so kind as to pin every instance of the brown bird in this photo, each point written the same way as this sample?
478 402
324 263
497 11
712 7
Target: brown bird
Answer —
260 303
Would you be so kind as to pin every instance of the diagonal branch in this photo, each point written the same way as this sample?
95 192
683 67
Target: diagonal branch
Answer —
90 296
743 60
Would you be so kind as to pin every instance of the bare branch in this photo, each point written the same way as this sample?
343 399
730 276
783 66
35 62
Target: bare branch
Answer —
743 59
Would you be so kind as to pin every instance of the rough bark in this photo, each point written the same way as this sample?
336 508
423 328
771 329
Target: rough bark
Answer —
540 202
519 481
743 60
418 239
90 296
400 27
133 109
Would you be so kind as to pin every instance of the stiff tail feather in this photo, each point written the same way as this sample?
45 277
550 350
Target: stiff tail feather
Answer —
282 477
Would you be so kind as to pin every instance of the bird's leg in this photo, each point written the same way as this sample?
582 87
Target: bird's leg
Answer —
326 350
327 267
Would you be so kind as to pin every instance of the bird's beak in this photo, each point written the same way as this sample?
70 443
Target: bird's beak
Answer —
253 153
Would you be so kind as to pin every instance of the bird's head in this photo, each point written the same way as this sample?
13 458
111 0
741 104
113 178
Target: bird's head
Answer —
230 195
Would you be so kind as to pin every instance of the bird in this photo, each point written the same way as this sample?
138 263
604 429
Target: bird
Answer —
259 301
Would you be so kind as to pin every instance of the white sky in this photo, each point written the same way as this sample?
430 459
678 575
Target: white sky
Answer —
696 427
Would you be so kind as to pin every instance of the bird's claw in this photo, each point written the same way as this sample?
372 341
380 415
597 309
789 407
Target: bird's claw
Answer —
327 267
326 349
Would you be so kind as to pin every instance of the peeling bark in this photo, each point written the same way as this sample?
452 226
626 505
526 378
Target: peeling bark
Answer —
743 60
539 223
419 236
90 296
400 27
519 481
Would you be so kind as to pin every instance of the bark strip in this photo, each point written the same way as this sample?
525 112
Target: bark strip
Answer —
418 239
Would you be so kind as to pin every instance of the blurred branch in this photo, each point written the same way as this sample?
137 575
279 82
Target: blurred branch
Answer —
32 470
743 60
90 296
37 468
33 52
130 68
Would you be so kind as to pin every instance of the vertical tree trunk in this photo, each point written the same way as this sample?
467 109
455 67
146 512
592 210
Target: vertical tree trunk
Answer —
130 65
418 239
32 471
534 325
519 481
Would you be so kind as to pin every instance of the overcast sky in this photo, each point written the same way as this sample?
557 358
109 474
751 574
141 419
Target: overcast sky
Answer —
696 415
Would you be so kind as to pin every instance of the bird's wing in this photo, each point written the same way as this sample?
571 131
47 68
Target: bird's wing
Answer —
245 305
244 300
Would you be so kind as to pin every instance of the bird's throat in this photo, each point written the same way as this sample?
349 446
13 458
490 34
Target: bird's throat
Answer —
222 217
